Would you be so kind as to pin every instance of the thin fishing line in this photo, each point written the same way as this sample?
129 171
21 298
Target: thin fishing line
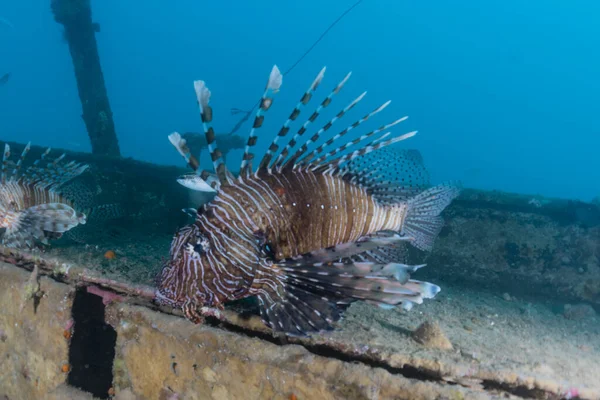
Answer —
322 36
307 52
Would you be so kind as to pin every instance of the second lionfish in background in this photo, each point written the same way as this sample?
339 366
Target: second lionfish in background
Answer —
33 206
310 231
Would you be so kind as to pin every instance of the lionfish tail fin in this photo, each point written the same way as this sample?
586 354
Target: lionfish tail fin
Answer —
315 295
23 228
423 221
399 180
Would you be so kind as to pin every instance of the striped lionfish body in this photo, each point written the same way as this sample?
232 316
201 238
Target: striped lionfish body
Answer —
308 232
32 205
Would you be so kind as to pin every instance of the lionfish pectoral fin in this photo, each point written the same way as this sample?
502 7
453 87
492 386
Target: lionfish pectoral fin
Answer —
54 217
387 285
314 295
29 225
298 312
349 249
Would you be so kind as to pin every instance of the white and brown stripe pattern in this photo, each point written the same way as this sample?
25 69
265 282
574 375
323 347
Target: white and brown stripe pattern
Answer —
279 161
273 85
31 202
278 232
274 147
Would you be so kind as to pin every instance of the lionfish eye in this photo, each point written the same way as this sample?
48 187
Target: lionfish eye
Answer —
268 251
198 248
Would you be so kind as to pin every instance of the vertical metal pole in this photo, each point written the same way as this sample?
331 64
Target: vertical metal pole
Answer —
76 18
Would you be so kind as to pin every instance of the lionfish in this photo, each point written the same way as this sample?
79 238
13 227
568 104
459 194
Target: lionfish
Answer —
33 206
307 232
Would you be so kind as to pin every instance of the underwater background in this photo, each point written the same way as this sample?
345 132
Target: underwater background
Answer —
504 93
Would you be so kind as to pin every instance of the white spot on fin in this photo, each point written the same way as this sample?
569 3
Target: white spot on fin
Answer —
275 79
202 93
194 182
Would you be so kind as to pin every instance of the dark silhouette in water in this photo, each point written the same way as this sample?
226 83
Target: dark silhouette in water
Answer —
4 79
79 31
196 142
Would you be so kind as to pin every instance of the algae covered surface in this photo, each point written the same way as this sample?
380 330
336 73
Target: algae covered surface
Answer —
524 345
492 338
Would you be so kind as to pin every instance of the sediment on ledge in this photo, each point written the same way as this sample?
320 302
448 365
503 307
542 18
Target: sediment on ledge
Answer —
156 356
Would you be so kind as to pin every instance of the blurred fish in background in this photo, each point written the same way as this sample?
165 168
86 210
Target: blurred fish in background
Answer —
4 79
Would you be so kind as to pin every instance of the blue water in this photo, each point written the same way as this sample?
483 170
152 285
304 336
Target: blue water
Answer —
504 93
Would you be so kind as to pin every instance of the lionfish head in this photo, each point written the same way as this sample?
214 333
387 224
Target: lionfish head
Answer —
203 265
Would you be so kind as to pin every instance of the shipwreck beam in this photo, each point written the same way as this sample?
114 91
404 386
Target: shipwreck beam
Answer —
79 30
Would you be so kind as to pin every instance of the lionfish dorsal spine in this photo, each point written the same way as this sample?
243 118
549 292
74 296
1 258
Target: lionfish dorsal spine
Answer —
266 101
182 148
58 159
279 161
307 159
42 157
300 152
369 148
354 142
34 173
206 115
5 159
53 175
304 100
20 162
